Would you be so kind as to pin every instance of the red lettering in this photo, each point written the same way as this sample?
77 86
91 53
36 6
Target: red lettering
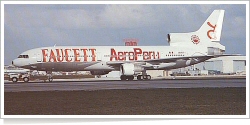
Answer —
125 55
93 54
59 59
121 56
137 52
113 54
131 55
52 56
77 54
67 55
145 55
150 54
85 54
44 54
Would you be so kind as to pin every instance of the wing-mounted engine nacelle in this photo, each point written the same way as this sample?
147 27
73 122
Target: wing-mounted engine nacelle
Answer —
99 72
130 69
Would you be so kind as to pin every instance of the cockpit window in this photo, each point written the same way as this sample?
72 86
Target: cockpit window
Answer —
23 56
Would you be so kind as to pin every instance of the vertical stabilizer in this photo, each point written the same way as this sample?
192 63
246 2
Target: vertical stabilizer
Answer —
207 37
213 25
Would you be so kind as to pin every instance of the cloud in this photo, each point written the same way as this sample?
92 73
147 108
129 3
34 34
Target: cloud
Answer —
46 25
112 16
128 16
207 8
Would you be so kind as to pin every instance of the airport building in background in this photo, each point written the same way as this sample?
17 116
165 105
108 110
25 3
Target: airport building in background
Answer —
227 65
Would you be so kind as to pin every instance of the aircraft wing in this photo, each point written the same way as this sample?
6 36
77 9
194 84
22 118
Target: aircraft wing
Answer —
155 61
168 60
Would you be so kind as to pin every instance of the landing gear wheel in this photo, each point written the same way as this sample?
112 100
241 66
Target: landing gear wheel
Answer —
123 77
130 78
139 77
50 79
148 77
143 77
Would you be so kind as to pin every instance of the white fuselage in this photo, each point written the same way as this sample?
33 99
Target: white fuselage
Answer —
88 58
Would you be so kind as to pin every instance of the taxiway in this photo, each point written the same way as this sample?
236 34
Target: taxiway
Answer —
116 84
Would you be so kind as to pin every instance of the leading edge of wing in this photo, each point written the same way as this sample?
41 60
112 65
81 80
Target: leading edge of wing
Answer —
168 60
163 60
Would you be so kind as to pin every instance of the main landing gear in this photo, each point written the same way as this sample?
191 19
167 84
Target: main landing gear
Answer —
143 77
139 77
125 77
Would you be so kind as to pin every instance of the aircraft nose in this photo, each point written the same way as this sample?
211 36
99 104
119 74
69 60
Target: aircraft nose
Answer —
13 63
16 63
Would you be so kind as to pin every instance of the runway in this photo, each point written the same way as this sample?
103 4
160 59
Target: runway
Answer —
92 85
114 97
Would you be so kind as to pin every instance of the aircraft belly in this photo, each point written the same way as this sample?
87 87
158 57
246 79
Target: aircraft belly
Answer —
69 66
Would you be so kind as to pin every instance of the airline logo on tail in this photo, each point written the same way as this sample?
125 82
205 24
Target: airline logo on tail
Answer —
195 39
211 32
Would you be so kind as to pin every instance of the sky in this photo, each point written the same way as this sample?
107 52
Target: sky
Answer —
28 26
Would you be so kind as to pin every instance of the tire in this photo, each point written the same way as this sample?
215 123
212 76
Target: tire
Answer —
50 79
14 79
26 79
148 77
139 77
123 78
130 78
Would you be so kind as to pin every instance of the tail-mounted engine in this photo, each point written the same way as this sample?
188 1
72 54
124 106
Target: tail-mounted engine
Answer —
177 39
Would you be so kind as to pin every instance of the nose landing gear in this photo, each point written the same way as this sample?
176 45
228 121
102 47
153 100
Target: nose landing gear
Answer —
49 74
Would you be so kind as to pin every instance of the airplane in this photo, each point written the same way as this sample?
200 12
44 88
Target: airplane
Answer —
185 49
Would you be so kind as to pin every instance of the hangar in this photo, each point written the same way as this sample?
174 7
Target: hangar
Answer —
222 65
226 64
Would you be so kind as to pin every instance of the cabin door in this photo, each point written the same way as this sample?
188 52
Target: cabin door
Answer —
38 57
99 56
